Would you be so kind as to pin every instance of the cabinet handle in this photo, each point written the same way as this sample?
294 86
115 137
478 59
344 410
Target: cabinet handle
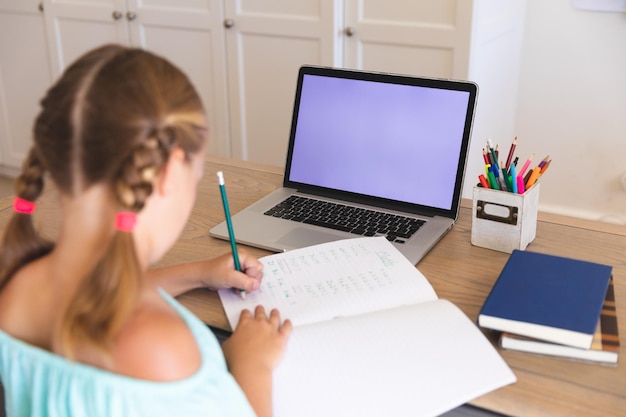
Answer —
229 23
41 6
131 15
350 31
117 15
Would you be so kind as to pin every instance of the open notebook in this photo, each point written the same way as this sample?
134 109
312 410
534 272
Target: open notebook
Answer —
363 142
370 337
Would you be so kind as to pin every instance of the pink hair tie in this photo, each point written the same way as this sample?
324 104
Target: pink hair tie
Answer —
23 206
125 221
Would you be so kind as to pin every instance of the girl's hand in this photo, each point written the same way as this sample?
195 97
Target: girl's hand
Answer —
221 272
254 351
258 340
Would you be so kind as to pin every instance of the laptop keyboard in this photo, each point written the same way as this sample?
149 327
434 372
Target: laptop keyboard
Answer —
346 218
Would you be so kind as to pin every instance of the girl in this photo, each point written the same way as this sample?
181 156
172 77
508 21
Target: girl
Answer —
85 329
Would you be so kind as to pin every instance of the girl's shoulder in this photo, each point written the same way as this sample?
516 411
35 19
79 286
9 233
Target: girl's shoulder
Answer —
156 344
28 306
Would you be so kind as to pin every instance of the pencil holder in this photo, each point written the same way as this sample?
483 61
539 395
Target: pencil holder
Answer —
502 220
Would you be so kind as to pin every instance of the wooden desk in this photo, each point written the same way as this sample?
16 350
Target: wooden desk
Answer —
458 271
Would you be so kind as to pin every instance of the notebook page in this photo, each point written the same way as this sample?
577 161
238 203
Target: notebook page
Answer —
419 360
341 278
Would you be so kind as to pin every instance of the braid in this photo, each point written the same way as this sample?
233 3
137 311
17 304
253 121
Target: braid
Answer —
29 184
108 295
21 243
136 176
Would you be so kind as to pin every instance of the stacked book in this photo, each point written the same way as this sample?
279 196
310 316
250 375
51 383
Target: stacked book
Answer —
556 306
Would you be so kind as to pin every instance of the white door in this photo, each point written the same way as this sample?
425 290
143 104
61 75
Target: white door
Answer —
187 32
25 74
76 26
190 34
427 38
267 41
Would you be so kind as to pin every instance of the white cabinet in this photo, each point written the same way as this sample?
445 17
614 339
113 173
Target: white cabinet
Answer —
268 40
24 74
243 55
187 32
427 37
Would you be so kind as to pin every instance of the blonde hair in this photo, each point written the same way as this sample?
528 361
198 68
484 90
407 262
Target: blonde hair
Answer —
112 118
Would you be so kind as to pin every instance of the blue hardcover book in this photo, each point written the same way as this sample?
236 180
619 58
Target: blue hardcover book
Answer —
547 297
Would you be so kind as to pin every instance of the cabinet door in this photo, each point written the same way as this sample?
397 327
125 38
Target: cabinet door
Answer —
190 34
24 77
76 26
267 41
426 37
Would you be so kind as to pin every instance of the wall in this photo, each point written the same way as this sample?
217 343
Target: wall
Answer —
496 59
572 106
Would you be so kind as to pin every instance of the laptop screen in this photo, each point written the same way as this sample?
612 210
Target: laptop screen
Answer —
394 138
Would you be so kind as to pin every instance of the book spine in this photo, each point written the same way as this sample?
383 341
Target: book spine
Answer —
609 337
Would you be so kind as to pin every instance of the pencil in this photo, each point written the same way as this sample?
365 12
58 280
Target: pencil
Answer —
534 174
526 164
511 151
545 167
486 157
229 224
494 163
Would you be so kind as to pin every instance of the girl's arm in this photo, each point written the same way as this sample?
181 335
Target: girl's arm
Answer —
216 273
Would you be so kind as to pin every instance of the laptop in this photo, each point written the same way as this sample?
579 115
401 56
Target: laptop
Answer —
387 149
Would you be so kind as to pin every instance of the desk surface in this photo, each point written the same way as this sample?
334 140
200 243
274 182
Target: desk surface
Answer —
458 271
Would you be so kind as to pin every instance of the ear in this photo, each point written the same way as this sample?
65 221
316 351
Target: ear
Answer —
172 171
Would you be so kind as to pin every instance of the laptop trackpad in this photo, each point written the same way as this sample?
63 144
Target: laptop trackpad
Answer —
301 237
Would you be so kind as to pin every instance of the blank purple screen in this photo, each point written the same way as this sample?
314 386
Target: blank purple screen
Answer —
398 142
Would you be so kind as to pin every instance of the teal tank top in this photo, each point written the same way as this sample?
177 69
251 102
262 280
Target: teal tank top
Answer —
39 383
